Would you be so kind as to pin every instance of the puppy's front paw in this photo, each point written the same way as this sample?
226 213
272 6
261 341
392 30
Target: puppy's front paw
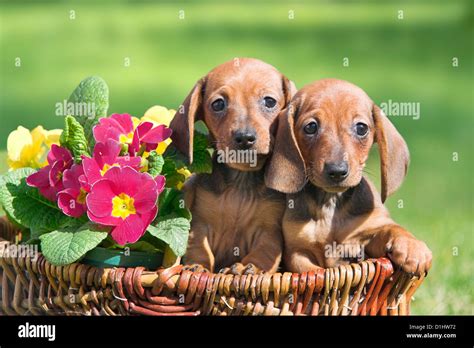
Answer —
195 267
239 268
411 254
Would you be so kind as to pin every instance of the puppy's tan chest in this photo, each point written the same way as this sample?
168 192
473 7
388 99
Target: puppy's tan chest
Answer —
317 232
233 218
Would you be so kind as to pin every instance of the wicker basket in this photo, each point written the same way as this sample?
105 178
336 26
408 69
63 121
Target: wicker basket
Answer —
36 287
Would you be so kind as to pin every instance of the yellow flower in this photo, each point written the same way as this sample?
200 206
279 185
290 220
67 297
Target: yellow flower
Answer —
184 171
159 115
28 149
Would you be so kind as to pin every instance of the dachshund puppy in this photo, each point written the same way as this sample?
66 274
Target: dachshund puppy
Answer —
236 220
322 144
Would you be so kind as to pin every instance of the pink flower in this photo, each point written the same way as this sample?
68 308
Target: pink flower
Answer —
126 199
118 127
72 200
146 135
48 180
106 156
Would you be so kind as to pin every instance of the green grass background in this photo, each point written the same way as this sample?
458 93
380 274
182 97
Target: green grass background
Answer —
403 60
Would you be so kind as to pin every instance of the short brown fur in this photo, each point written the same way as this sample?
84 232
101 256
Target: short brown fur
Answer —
236 219
350 211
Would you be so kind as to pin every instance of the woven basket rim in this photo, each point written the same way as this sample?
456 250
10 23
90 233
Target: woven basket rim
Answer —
371 287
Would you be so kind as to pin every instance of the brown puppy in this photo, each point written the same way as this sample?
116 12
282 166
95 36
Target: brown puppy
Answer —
325 137
236 219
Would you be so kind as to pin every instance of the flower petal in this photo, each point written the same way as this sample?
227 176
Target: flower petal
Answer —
71 176
40 178
148 217
106 220
160 183
108 128
133 162
129 231
157 135
91 170
124 180
67 202
50 192
99 200
106 153
144 128
159 115
125 122
56 173
16 141
52 137
146 195
59 153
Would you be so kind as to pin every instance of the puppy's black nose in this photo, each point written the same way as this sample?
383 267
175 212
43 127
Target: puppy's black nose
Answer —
336 172
245 139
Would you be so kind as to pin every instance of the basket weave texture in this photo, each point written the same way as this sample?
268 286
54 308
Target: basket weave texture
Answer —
33 286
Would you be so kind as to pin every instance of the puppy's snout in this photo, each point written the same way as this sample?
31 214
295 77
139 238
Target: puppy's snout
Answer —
336 171
245 139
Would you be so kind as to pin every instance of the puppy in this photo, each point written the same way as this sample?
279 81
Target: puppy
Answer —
236 220
322 144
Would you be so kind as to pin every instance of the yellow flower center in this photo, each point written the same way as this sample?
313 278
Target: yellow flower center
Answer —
106 167
126 138
122 206
81 198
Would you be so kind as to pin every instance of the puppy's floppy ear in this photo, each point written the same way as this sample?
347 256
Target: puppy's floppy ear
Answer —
394 155
286 171
183 122
289 89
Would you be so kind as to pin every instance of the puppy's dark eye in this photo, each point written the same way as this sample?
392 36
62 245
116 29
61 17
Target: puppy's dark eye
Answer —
361 129
269 102
218 105
311 128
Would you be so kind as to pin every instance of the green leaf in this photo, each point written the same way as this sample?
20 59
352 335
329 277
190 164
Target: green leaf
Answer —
174 231
171 202
155 163
169 170
201 127
166 199
93 90
202 155
202 160
157 243
66 246
26 206
74 139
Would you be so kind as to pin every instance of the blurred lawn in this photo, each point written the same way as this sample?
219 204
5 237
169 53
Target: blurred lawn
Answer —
405 60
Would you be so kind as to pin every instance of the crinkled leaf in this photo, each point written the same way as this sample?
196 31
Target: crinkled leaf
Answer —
155 163
171 201
74 139
66 246
26 206
92 90
174 231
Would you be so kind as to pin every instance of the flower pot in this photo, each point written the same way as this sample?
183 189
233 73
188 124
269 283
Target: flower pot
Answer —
102 257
